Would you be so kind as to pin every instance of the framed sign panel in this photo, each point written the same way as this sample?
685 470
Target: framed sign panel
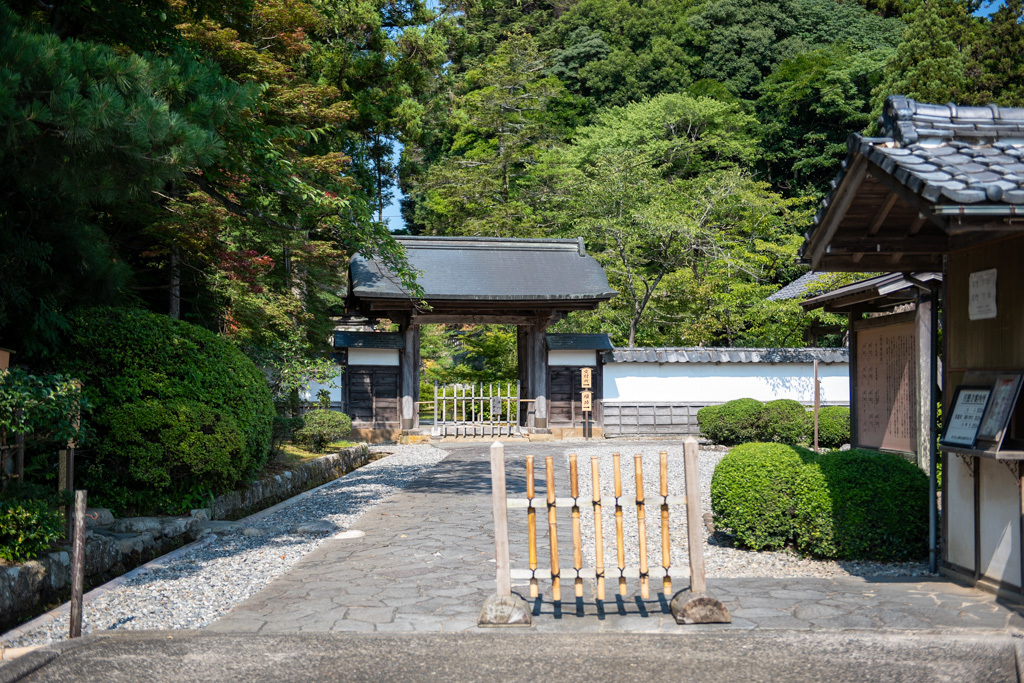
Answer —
965 417
1000 407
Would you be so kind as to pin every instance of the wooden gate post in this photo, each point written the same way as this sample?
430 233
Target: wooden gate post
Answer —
696 605
504 608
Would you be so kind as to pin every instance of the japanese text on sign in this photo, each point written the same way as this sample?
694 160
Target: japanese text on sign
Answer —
587 378
588 401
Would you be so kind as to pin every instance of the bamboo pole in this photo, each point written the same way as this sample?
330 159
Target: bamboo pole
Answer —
78 566
503 569
641 523
695 539
619 537
577 536
598 536
556 583
666 546
531 525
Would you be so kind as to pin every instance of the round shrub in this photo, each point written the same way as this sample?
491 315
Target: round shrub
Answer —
862 504
752 492
27 528
130 362
833 426
732 422
785 420
321 427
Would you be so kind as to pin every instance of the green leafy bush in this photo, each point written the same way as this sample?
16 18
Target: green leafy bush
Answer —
833 426
321 427
27 528
785 420
752 492
733 422
176 441
133 362
862 504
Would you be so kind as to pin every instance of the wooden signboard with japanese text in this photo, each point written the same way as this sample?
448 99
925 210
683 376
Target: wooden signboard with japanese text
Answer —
886 388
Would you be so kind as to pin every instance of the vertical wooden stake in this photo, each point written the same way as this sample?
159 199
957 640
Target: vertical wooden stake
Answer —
817 404
666 546
502 566
695 538
598 534
641 523
619 536
577 536
556 581
78 565
531 525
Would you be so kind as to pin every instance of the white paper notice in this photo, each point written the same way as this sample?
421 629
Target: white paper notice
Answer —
982 305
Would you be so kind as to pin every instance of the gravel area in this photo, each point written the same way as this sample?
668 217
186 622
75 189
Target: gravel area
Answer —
721 561
203 584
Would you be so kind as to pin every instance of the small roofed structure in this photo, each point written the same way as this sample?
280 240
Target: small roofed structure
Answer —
942 177
529 283
944 191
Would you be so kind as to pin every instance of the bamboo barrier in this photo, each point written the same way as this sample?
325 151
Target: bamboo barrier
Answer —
692 606
646 567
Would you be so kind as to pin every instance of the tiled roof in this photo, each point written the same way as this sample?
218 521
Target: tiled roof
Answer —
368 340
797 289
579 342
488 269
697 354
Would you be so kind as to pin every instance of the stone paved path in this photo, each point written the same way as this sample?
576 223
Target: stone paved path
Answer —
425 565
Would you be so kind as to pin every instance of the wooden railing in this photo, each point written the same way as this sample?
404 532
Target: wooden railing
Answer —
476 409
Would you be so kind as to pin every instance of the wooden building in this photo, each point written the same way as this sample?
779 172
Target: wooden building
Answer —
530 283
943 191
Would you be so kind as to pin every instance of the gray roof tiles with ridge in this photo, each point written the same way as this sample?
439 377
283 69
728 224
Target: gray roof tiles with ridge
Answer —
452 268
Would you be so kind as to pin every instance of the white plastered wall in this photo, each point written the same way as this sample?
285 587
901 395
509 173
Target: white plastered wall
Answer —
373 357
577 358
1000 523
960 515
720 382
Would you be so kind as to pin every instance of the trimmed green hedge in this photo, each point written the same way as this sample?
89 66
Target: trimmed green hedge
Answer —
731 423
785 420
862 504
321 427
842 504
752 492
179 411
833 426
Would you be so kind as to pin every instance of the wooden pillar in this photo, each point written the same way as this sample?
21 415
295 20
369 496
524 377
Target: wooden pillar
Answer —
410 373
523 365
538 370
925 379
854 398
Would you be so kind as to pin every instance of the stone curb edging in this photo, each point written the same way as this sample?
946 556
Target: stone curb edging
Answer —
63 609
350 458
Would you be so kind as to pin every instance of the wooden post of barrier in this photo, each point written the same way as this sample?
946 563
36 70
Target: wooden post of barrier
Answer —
78 565
619 537
696 605
577 536
598 534
531 526
556 579
666 545
503 608
641 524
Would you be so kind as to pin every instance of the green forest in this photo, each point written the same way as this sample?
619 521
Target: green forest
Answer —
219 162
